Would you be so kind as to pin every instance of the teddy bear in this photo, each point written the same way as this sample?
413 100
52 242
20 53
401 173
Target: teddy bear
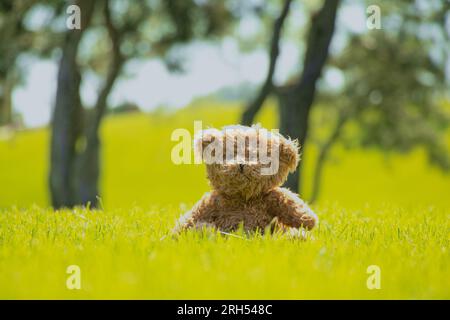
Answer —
246 167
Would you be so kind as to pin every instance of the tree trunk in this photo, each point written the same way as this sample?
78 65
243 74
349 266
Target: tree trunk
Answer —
295 100
67 116
249 114
294 114
65 127
88 172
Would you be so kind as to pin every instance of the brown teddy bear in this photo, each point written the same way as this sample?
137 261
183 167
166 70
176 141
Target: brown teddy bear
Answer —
246 167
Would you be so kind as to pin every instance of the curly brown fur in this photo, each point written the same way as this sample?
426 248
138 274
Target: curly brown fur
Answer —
241 195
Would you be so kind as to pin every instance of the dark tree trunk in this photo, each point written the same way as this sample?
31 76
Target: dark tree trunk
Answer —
250 112
65 127
295 100
88 172
67 116
294 113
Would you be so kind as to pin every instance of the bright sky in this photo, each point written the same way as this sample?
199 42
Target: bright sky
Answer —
209 68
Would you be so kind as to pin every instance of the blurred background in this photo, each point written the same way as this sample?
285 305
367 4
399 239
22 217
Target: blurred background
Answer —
86 114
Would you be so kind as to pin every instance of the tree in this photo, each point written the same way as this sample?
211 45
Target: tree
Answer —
296 100
67 115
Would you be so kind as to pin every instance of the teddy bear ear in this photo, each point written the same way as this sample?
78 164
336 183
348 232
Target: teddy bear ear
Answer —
289 153
203 138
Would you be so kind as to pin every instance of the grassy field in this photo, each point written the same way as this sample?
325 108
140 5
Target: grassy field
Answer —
387 210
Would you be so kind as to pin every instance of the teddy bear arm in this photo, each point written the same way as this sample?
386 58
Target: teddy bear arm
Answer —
193 218
291 210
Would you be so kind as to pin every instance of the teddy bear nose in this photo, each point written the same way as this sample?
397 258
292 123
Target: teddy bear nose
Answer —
241 167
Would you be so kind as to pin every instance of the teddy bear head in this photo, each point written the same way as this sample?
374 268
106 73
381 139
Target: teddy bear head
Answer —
246 161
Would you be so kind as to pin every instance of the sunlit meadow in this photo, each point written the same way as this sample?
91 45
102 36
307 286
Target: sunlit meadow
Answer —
379 209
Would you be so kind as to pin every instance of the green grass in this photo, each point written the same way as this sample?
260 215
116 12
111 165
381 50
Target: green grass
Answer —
121 255
375 209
